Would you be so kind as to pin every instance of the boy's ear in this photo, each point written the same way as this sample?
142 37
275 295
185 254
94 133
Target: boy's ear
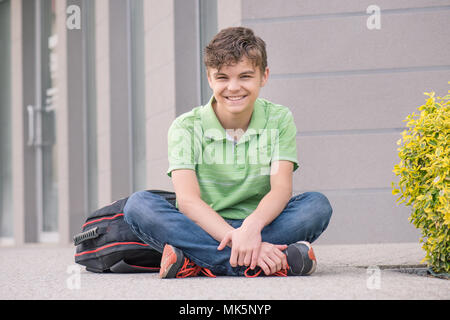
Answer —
208 76
265 77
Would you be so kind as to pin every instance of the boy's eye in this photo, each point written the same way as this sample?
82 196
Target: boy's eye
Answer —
245 76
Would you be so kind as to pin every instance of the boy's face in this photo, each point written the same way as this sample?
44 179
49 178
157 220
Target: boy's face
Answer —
236 87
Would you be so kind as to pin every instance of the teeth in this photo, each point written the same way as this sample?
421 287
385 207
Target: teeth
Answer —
235 98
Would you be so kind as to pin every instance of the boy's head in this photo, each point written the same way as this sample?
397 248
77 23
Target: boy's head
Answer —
230 45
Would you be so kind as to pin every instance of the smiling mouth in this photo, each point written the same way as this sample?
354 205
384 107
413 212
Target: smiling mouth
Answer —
235 98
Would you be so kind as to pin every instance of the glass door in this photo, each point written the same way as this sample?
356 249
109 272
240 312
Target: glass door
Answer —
42 124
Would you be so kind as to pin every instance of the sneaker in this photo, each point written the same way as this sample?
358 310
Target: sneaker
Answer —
300 259
175 265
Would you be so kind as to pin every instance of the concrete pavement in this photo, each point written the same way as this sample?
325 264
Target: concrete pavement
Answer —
344 272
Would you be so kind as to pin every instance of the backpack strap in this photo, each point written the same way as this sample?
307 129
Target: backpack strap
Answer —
123 267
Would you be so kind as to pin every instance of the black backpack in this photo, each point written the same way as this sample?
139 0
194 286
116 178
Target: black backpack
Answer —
107 243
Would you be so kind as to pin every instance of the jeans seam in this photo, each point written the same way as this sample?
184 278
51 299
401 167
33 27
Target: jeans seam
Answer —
148 240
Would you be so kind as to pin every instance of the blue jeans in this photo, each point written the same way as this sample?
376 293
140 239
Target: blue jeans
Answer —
157 222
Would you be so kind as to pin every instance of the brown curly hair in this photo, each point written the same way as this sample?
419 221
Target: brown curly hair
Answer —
231 44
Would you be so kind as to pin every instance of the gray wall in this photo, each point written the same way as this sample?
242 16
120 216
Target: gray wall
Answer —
349 89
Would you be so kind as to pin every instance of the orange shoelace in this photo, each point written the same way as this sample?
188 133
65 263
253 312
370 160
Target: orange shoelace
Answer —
281 273
190 269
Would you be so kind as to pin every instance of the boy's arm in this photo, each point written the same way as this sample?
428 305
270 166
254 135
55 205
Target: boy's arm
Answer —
190 203
247 238
273 203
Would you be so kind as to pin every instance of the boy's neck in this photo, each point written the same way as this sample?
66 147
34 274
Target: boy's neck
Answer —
231 121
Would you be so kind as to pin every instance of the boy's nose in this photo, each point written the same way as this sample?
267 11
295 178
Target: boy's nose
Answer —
233 85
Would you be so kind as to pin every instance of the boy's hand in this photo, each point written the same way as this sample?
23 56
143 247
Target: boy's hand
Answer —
271 258
245 245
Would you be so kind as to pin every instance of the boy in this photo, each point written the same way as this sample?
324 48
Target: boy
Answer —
231 163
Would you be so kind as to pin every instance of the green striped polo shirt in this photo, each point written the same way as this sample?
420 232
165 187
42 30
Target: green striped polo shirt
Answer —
233 176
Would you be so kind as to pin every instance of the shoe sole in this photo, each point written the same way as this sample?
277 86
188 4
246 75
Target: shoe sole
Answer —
300 250
171 261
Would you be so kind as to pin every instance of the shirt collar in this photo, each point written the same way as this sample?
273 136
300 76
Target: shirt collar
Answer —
214 130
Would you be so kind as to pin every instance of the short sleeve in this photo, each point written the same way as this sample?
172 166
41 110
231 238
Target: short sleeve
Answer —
285 147
180 147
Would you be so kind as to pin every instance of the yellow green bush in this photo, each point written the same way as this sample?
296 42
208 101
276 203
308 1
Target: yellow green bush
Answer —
424 177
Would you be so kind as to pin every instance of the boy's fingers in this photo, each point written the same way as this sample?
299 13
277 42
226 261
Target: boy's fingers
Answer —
264 267
248 258
278 261
283 258
240 258
281 246
221 244
255 256
244 258
272 266
233 257
284 262
224 242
